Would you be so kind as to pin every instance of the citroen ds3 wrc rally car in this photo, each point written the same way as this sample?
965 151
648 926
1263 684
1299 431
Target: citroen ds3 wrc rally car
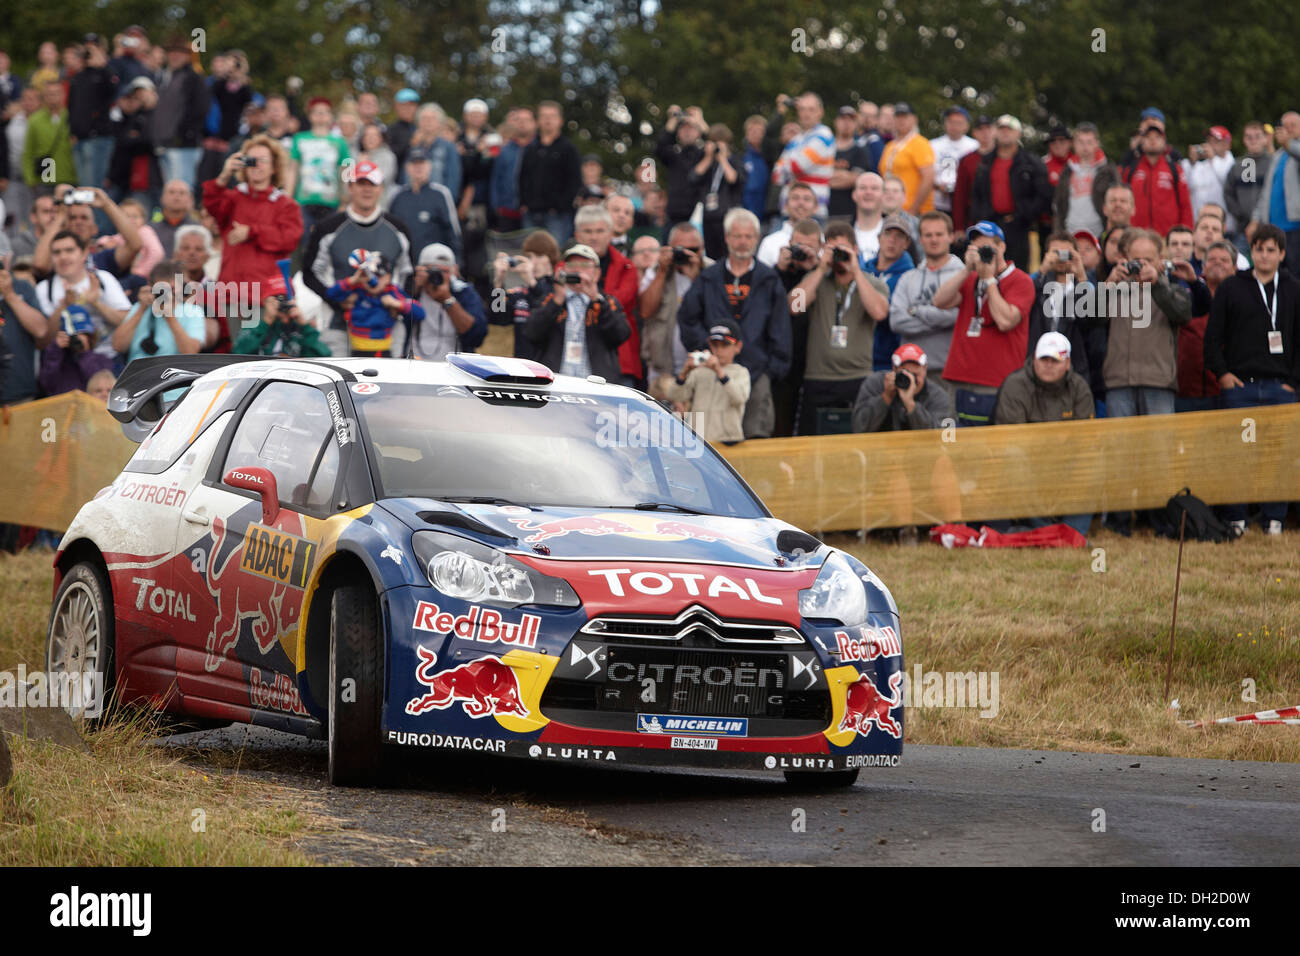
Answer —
476 555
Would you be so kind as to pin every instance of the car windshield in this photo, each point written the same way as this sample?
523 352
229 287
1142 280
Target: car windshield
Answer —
506 445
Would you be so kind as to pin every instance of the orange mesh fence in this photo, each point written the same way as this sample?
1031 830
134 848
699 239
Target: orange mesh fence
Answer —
846 482
57 452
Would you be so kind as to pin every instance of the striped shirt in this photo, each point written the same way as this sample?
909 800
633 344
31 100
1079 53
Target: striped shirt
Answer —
809 158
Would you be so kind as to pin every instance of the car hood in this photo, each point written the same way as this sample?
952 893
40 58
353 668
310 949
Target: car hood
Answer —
600 534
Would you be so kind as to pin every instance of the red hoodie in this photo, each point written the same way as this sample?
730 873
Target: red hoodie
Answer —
274 224
1158 204
621 282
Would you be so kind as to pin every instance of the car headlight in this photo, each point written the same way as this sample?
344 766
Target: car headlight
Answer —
470 571
836 595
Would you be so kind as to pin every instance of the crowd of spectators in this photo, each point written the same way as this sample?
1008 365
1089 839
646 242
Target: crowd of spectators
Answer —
799 279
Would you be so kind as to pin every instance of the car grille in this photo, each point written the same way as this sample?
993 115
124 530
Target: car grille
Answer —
695 626
693 664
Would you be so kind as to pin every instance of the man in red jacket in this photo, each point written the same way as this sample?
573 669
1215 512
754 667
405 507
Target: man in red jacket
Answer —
593 227
984 135
1159 190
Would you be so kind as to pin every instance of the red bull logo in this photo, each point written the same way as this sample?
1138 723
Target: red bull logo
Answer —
592 525
680 529
478 624
874 643
241 592
485 686
864 705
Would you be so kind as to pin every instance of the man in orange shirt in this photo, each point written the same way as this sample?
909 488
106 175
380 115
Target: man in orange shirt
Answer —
910 157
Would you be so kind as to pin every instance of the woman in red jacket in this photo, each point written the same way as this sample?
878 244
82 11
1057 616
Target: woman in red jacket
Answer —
259 223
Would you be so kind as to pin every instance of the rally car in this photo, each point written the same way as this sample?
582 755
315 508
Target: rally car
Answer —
475 555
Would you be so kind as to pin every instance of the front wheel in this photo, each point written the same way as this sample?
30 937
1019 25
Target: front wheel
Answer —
828 780
356 682
80 642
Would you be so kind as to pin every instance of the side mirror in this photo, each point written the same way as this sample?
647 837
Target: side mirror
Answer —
261 481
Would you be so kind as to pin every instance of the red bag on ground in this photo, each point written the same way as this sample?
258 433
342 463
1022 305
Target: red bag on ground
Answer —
1049 536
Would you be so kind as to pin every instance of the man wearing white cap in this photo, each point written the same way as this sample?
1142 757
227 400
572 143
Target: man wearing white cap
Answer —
455 320
1046 389
578 329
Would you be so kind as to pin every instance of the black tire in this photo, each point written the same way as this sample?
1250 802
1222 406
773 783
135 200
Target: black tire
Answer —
355 749
82 614
823 780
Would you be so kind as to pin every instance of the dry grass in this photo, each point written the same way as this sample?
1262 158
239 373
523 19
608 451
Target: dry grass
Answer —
1081 654
126 802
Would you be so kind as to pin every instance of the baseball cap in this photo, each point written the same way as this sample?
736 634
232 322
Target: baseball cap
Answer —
986 228
1220 132
583 251
591 158
1053 345
1058 132
847 111
909 352
1087 236
1006 119
724 330
365 170
902 109
406 95
897 222
1151 113
956 109
273 285
475 105
139 83
983 120
419 154
436 254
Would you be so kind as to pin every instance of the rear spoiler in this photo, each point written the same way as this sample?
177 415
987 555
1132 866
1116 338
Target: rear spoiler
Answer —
136 399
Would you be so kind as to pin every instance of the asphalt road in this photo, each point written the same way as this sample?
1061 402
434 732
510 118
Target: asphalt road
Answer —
944 805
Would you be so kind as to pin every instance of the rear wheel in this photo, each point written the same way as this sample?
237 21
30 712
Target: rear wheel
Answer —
79 642
828 780
356 682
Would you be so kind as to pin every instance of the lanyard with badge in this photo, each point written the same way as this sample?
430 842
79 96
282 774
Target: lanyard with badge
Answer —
574 347
840 331
711 198
1274 333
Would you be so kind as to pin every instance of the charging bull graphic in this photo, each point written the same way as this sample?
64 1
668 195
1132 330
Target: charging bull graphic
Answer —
255 577
864 705
486 686
592 525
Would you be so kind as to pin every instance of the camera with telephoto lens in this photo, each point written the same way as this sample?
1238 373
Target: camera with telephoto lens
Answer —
841 255
987 253
1133 268
436 278
681 257
902 380
800 253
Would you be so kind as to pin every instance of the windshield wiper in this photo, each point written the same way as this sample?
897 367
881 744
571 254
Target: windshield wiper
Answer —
670 505
484 500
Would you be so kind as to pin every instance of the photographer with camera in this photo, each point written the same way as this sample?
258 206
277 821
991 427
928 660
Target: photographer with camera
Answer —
800 203
454 317
678 264
720 185
578 329
258 223
1060 291
714 387
282 330
535 267
157 324
993 299
75 212
679 149
901 399
372 303
843 304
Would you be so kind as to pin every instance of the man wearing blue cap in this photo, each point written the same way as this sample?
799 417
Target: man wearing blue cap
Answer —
949 149
405 103
989 342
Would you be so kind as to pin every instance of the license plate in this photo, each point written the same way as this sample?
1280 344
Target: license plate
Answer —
695 743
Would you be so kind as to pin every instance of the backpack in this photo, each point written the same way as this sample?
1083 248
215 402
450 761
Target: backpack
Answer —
1202 524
